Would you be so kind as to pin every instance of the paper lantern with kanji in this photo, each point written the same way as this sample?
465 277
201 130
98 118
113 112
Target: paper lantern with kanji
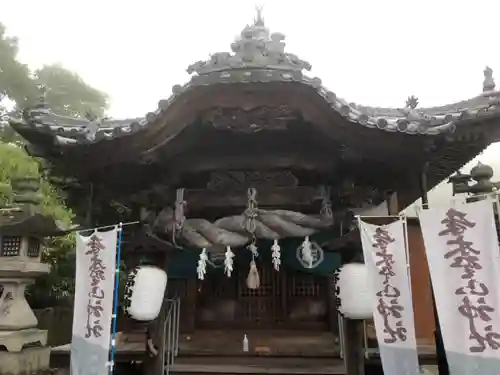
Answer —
146 287
353 292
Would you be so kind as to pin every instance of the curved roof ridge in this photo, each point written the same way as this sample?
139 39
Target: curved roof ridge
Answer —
479 101
259 57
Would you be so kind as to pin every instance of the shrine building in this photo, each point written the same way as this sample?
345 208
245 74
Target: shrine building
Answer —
250 153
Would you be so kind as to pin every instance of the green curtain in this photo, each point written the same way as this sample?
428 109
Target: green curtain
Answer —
183 262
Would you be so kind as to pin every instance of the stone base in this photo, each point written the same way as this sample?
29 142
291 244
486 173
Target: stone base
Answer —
14 341
27 362
429 370
22 268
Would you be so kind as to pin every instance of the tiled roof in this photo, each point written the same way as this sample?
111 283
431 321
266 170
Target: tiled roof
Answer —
259 57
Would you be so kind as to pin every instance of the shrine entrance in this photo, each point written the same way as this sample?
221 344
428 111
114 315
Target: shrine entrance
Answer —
284 299
290 313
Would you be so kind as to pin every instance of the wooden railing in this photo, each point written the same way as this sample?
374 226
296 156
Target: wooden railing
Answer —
170 334
341 337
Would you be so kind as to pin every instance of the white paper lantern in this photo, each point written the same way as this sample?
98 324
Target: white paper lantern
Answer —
146 290
353 292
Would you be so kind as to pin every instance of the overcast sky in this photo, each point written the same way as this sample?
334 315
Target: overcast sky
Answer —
369 52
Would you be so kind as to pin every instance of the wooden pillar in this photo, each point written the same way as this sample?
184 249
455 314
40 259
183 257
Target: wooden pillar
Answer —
354 359
442 361
90 204
393 204
155 345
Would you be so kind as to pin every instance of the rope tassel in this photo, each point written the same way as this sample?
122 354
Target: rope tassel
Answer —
253 278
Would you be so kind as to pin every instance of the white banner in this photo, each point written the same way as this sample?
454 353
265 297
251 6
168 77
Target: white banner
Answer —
462 251
384 249
93 311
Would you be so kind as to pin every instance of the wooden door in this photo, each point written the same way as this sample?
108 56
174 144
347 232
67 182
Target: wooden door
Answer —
260 308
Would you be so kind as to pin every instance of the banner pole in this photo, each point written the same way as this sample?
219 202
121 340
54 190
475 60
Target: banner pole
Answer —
116 298
496 211
121 225
407 251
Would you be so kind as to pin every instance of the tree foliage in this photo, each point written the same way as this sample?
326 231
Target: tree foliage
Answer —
16 82
66 94
56 287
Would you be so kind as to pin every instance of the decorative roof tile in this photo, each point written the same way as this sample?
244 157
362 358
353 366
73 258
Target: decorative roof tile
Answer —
489 82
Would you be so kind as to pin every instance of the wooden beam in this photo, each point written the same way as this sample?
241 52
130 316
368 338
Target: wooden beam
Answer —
303 160
269 197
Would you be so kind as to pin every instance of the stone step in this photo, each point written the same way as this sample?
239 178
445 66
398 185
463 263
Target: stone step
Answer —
180 368
256 365
263 360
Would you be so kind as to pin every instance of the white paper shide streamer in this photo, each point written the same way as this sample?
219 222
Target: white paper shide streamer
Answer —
306 252
228 261
276 255
462 250
201 269
385 253
93 311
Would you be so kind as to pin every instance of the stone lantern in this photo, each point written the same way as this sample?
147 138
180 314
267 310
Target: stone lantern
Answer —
22 229
480 176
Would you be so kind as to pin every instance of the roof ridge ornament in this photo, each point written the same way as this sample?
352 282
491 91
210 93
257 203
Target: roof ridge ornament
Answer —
412 114
255 48
258 20
411 102
40 115
489 82
40 109
92 127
